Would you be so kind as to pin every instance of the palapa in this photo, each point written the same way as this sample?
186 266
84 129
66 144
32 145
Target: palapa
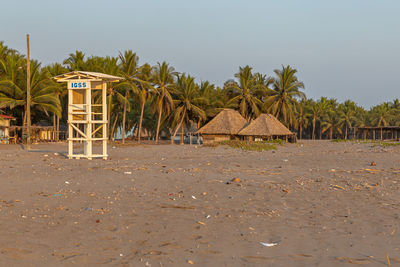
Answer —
266 125
225 126
228 121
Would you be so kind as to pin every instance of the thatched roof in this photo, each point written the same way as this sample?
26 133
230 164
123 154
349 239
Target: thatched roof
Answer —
228 121
265 125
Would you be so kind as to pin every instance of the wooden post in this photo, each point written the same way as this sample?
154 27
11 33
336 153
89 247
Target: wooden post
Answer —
89 122
28 94
70 131
105 122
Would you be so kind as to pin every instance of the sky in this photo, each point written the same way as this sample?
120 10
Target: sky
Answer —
343 49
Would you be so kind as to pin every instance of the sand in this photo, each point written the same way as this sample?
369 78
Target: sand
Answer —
315 203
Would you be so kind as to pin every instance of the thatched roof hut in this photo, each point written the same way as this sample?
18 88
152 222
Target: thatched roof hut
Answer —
266 126
225 126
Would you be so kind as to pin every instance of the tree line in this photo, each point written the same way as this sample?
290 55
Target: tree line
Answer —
160 99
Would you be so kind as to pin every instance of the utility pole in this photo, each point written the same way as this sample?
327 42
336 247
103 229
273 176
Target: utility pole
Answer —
28 95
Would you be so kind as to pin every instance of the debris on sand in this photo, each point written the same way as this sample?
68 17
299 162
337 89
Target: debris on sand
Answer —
236 180
268 244
335 186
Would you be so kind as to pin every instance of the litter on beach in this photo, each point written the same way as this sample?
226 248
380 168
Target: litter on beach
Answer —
268 244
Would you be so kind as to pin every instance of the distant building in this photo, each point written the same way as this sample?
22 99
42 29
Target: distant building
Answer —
5 128
266 127
230 125
225 126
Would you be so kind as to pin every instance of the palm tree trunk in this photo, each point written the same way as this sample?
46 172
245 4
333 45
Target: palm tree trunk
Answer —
381 133
58 129
331 133
300 131
24 122
176 130
124 119
141 120
313 130
182 141
159 120
345 132
54 127
113 128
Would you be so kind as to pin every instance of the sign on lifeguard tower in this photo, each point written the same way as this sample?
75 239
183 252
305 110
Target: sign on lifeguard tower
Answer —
87 111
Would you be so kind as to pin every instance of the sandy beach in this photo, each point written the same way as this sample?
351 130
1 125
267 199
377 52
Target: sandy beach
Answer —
314 203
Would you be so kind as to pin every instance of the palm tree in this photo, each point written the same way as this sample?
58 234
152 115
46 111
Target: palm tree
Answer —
395 106
219 100
331 122
303 116
43 89
381 116
187 104
282 99
315 115
62 92
346 113
75 61
128 70
323 106
163 78
144 91
206 92
114 97
244 92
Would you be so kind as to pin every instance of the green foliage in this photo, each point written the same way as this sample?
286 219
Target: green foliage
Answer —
159 99
245 145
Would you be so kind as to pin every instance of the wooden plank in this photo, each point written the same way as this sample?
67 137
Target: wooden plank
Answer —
78 130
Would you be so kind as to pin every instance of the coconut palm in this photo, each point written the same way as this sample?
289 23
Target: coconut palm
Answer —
331 122
187 101
282 99
346 114
75 61
303 116
323 106
114 96
43 89
245 91
128 70
164 81
144 91
62 92
381 115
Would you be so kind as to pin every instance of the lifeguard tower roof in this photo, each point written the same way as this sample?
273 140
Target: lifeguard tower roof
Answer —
76 75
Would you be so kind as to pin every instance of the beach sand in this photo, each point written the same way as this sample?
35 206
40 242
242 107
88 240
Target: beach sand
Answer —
315 203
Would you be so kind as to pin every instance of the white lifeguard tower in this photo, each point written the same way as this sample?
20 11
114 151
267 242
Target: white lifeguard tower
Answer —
87 111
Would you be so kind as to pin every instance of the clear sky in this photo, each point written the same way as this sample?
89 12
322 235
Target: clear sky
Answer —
346 49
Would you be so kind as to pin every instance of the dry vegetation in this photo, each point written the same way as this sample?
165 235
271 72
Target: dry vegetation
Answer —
249 145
